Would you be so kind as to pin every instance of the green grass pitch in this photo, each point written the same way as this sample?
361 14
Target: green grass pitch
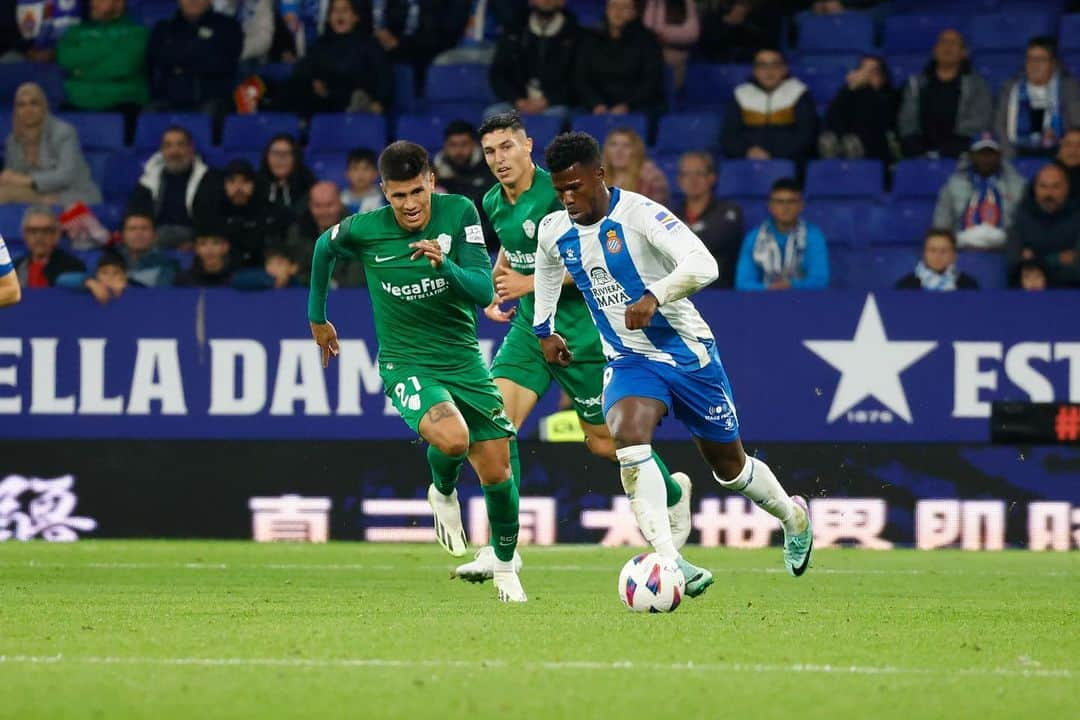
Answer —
206 630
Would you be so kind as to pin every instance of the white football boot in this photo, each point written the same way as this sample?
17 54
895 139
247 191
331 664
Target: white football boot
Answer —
679 513
448 528
482 566
508 586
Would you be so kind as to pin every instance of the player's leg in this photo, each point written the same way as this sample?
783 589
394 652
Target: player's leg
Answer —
491 460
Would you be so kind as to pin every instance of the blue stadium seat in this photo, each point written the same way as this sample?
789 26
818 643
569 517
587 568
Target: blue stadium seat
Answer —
844 179
921 177
904 65
871 268
836 220
903 223
846 32
404 88
150 126
47 75
600 125
754 212
689 131
996 68
110 214
97 131
98 160
219 157
276 71
458 83
751 178
122 173
253 132
5 122
908 33
423 129
329 165
1030 166
989 268
1069 33
542 129
11 223
824 81
150 12
590 13
344 131
1008 30
709 86
470 112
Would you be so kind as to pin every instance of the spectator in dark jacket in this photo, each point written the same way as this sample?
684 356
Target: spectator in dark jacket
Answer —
344 69
719 223
286 176
1069 157
251 222
1036 108
1047 229
772 115
734 30
533 69
44 262
177 189
620 67
937 269
412 32
862 116
212 260
946 105
193 59
460 167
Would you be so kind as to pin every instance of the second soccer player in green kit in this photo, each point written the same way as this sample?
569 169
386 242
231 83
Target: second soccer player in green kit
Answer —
515 206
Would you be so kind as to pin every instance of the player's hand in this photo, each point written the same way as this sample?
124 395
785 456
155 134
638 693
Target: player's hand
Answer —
429 249
325 335
781 284
555 350
510 285
99 290
495 312
639 315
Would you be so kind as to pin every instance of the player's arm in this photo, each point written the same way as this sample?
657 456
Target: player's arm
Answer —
494 311
548 279
470 274
10 292
327 250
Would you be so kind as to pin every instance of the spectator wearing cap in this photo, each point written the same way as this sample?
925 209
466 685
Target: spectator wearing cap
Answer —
1036 108
251 222
212 266
945 105
773 114
980 198
1069 158
936 271
861 119
177 189
1047 229
109 281
719 223
785 251
44 261
460 167
146 265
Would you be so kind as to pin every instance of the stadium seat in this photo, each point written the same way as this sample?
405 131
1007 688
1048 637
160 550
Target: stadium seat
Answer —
458 83
47 75
11 223
253 132
150 12
844 179
150 126
836 220
902 223
709 86
590 13
423 129
5 123
98 160
989 268
97 131
600 125
111 215
1009 30
996 68
825 81
1030 166
1069 34
751 178
344 131
404 88
542 129
329 165
845 32
122 173
688 131
921 177
918 33
754 212
871 268
904 65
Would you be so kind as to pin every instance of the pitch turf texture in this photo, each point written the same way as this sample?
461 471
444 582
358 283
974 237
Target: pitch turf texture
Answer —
203 630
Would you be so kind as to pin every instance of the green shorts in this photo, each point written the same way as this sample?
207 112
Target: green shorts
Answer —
521 361
414 390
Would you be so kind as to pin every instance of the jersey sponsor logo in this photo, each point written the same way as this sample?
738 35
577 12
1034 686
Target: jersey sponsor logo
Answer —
520 259
589 401
445 241
722 415
474 234
606 291
614 242
428 287
529 228
667 220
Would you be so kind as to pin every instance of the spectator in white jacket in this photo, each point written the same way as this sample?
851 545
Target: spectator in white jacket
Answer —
256 17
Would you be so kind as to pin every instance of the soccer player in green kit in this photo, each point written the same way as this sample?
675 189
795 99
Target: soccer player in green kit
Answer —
515 206
427 270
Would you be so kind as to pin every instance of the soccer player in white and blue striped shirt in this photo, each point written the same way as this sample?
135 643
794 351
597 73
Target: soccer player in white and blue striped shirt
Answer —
636 265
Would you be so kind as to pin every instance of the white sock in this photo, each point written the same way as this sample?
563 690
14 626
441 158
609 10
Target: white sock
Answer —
757 482
644 485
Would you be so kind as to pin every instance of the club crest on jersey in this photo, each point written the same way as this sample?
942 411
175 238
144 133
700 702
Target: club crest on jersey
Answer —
614 242
667 220
606 291
529 228
444 241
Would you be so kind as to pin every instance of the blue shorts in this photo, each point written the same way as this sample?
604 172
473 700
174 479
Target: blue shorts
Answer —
700 398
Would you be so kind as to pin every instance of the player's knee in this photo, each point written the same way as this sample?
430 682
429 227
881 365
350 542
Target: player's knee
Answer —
495 473
454 445
628 435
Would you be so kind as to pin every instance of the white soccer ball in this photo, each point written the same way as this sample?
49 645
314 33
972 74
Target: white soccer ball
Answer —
651 583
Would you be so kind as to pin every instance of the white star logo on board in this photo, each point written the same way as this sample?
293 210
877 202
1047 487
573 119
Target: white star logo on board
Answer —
870 364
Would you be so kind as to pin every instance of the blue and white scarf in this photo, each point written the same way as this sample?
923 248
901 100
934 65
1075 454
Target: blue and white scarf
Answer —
986 206
938 282
1026 97
777 264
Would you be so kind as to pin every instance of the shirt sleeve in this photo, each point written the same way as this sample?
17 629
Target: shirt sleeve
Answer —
328 248
6 266
695 267
469 274
547 280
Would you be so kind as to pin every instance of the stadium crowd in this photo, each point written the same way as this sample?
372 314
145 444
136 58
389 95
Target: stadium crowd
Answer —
209 142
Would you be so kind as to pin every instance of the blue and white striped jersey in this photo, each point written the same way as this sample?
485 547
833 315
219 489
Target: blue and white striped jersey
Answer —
637 246
5 259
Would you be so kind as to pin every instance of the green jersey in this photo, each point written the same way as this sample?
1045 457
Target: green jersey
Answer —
423 316
516 225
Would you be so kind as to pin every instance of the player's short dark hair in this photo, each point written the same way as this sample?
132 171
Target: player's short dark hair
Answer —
361 155
570 148
941 232
786 184
510 120
403 160
460 127
111 257
1047 42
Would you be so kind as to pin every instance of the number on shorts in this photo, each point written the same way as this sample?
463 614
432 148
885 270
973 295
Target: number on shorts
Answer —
406 398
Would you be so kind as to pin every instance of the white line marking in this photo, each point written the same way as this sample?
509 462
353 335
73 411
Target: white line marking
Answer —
538 665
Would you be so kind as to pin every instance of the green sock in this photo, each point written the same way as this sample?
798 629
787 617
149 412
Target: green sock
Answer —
502 510
515 463
674 492
444 469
